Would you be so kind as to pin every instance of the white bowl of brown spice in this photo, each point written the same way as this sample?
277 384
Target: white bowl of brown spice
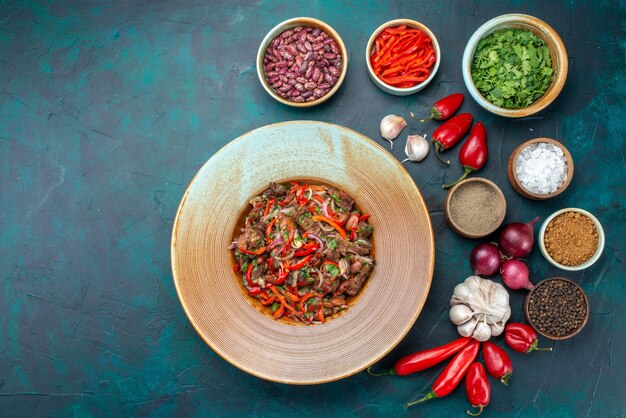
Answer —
571 239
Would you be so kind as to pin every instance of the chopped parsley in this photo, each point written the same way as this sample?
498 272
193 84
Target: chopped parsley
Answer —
332 244
512 68
333 270
336 198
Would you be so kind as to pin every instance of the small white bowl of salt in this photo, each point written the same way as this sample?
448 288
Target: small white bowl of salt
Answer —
540 168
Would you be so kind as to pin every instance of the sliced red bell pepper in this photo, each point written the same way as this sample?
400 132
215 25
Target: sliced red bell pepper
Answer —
269 206
300 264
257 252
331 223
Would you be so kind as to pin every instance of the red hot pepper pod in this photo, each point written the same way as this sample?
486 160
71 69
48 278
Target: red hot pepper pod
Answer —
423 360
452 375
473 154
522 338
451 132
498 362
444 108
477 388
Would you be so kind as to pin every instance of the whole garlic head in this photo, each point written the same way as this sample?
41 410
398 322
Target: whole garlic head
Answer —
479 308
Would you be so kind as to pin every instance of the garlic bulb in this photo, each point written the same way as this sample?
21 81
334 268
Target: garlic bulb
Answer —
479 308
416 148
391 126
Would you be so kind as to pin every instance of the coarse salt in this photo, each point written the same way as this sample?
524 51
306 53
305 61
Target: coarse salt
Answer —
541 168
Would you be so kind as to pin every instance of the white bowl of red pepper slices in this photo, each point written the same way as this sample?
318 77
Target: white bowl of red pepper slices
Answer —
402 57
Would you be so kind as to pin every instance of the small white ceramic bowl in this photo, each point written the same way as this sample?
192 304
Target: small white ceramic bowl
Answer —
370 49
539 28
584 265
292 23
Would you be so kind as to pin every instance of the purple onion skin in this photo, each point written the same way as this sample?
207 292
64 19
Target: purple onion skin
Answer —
485 259
515 275
517 239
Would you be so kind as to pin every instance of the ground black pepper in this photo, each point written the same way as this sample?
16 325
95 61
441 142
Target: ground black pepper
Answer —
476 208
557 308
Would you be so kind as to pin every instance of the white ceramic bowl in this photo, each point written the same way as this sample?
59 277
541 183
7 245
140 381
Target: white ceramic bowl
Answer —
370 48
292 23
589 262
539 28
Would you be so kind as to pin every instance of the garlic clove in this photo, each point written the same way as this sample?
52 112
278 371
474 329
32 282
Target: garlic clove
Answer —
482 332
497 328
391 126
467 329
416 148
460 314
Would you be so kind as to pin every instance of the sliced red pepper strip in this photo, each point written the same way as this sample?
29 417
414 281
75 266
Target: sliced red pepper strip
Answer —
364 218
331 223
301 264
269 206
257 252
304 299
268 230
309 248
332 263
269 301
279 312
353 233
320 314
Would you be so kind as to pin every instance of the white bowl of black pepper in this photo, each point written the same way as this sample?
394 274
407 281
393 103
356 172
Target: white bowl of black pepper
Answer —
571 239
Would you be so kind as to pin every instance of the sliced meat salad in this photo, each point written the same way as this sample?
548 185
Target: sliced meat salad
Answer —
304 250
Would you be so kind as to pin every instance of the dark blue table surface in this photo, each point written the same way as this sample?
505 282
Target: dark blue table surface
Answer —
107 110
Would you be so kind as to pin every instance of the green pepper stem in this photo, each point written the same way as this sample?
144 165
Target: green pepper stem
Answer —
506 378
439 147
386 373
533 346
468 170
480 411
429 395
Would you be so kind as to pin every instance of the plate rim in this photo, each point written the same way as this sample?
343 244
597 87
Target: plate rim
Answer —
431 267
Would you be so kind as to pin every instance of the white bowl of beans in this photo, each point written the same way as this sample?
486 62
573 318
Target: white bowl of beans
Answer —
302 62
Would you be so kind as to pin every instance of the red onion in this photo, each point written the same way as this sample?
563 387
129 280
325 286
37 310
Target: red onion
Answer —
515 275
485 259
276 242
318 239
516 239
325 209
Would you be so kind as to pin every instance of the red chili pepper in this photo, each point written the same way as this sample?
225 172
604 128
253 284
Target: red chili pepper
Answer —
522 338
423 360
477 388
452 375
257 252
473 154
444 108
498 362
364 217
353 233
451 132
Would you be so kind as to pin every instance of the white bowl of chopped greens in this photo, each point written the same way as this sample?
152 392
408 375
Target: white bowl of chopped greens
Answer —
515 65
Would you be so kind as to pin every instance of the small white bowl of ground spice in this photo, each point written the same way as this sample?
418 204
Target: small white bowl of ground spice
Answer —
475 207
540 168
571 239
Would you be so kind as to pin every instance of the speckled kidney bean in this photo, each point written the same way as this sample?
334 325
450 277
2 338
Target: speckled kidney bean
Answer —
302 64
